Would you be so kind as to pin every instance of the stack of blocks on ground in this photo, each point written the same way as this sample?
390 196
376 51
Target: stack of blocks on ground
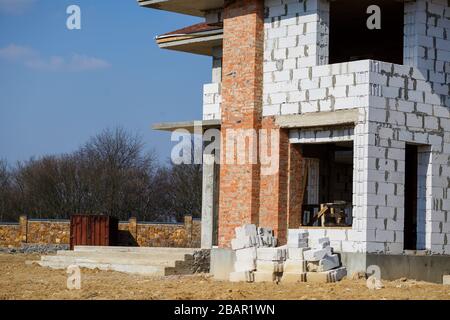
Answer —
294 262
359 115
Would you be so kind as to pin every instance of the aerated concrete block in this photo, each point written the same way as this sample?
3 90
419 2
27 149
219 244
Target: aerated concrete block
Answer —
323 243
296 253
269 266
271 254
295 266
266 241
327 276
293 277
297 243
329 262
446 280
244 265
338 274
248 230
242 243
265 232
246 254
298 234
242 277
265 276
297 238
316 255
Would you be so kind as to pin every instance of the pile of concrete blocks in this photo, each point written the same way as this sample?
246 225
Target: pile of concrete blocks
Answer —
249 236
322 264
270 264
307 263
259 260
295 267
248 240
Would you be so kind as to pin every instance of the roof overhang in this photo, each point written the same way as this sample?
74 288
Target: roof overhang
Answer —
319 119
191 126
189 7
197 44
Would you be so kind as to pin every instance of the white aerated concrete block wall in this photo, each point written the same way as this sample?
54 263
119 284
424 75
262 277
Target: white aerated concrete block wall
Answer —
296 37
427 42
398 104
413 114
212 100
398 112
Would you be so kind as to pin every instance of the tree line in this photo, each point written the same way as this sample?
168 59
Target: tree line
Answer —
110 174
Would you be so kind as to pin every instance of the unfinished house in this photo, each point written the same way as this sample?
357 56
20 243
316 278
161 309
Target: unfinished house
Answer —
359 97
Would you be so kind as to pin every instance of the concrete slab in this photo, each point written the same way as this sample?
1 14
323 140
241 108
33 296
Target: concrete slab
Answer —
318 119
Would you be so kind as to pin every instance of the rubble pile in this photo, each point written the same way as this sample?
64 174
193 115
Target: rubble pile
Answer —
259 260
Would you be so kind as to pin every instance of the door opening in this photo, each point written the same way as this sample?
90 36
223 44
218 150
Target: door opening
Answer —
410 230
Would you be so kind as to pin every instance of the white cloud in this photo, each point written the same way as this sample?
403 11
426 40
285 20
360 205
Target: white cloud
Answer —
14 52
15 7
33 60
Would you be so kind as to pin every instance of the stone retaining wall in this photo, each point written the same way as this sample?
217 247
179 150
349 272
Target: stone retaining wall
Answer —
131 233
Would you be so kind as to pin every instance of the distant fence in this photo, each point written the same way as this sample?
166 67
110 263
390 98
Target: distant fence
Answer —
131 233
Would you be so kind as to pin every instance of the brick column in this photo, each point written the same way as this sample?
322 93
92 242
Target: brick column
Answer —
296 186
274 187
241 109
23 223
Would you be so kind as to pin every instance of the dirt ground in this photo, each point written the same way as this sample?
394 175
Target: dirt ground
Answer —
21 281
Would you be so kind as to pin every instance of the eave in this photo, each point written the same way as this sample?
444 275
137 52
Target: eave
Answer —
189 7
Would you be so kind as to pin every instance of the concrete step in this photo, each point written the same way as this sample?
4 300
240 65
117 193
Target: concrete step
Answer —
126 268
133 260
151 256
107 260
133 249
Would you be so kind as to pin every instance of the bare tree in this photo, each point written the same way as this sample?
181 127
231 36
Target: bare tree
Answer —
4 189
111 174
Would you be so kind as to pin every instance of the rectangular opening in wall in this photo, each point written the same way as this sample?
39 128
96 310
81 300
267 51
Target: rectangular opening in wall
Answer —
410 230
351 39
417 195
328 189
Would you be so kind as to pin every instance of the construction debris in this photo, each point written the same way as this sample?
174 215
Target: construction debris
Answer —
259 260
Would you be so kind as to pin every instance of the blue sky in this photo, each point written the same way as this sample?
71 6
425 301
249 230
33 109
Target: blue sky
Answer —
58 87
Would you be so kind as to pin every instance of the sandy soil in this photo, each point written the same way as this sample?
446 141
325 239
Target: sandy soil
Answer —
21 281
